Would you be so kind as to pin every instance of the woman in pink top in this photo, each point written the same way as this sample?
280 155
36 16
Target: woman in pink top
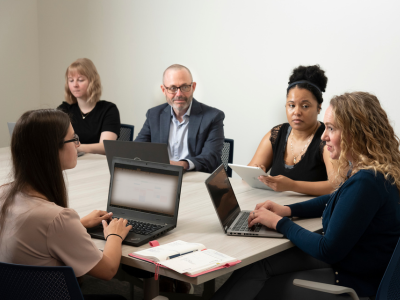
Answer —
35 219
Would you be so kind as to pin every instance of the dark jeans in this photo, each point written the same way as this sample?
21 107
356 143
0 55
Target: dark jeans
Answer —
272 278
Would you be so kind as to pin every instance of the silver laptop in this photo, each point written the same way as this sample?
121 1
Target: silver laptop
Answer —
140 151
145 193
11 126
250 175
232 218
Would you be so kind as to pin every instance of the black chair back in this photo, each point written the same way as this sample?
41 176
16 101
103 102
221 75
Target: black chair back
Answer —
389 288
227 155
126 132
20 282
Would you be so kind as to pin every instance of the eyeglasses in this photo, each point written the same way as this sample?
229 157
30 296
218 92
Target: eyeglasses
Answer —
75 140
174 89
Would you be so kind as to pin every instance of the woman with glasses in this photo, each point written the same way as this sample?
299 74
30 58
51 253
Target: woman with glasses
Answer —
36 226
293 151
361 219
94 120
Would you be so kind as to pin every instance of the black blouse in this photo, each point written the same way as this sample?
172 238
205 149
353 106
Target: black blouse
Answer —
103 117
311 167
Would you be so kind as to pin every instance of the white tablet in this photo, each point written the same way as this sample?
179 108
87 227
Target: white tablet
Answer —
250 175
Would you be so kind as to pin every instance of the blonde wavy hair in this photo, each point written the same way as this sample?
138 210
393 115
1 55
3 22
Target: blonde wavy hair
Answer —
85 67
367 136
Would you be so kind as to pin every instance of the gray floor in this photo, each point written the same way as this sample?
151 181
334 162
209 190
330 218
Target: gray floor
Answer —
91 285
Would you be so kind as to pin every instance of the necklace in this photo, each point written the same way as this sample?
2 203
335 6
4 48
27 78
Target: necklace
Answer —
305 146
84 115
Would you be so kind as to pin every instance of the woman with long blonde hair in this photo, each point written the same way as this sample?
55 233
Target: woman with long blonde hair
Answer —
361 218
94 120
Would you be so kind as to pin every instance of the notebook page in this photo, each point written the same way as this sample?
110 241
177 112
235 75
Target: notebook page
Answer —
161 253
198 261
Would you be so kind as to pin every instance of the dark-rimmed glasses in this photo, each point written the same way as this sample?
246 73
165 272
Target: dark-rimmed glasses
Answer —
75 140
174 89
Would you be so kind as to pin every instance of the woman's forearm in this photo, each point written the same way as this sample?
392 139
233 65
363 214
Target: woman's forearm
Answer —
97 148
108 266
318 188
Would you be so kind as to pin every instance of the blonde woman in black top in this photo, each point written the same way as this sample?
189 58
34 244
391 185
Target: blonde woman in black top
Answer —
294 152
93 120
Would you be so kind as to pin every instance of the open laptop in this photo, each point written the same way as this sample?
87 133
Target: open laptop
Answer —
140 151
11 126
250 175
232 218
145 193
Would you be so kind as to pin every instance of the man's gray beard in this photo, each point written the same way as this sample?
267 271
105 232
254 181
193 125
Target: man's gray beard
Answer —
187 102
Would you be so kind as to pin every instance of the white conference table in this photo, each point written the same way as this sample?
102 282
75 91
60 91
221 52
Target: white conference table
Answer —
88 185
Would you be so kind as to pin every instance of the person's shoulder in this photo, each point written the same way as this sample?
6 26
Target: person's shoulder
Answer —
40 208
158 108
279 127
63 215
206 109
65 106
367 177
275 131
67 213
320 129
105 104
363 174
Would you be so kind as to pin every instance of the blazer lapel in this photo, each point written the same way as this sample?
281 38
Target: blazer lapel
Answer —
194 125
165 122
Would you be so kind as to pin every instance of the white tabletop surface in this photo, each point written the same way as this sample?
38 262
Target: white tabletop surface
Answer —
88 187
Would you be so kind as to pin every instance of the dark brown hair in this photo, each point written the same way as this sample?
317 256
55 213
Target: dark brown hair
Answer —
35 143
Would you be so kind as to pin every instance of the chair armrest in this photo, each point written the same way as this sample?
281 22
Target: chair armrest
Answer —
326 288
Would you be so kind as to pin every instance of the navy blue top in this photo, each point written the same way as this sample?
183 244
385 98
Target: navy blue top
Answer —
361 224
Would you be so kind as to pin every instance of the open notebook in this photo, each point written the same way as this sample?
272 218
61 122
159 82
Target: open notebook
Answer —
191 259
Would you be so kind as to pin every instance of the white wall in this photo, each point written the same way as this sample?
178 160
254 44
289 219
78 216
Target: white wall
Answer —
240 52
19 62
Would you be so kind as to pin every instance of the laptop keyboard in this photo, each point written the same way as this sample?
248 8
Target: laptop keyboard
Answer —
142 227
241 224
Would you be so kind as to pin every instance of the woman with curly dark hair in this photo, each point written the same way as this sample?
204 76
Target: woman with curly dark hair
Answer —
293 151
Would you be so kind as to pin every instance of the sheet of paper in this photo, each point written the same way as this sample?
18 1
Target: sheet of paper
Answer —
170 249
200 260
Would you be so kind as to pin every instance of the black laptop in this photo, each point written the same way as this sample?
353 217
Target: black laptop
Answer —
154 152
145 193
232 218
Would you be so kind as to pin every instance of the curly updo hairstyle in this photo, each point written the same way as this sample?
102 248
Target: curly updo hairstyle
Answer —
313 74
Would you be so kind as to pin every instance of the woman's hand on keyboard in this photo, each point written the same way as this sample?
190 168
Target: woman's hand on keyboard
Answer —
265 217
117 226
280 210
95 217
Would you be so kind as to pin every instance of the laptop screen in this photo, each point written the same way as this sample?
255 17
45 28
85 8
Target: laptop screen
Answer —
222 195
144 189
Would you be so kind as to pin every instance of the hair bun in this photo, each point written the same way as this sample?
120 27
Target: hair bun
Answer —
314 74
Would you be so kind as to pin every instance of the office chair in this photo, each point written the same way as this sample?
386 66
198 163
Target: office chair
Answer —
227 155
20 282
126 132
389 288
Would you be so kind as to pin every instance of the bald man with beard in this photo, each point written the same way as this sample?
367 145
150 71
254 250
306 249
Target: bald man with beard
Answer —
193 131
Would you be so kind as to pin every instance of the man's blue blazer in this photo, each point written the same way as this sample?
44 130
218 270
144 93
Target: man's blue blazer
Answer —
205 133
